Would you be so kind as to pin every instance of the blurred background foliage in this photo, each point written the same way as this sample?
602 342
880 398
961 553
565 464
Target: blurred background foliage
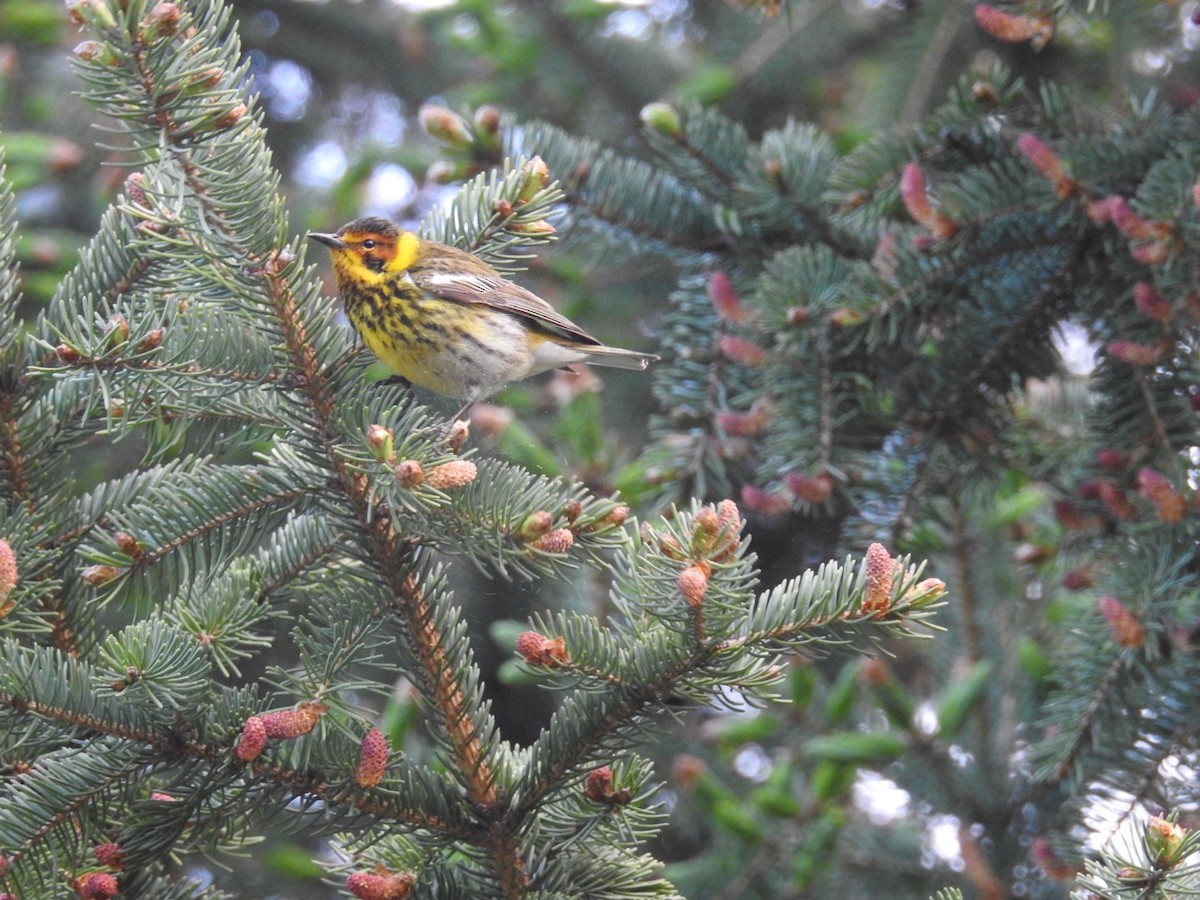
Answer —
342 83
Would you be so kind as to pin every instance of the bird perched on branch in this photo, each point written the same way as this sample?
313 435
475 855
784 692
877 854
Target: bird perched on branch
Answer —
446 320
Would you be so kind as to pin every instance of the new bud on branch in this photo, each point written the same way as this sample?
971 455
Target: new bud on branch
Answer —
445 125
1164 839
663 119
380 442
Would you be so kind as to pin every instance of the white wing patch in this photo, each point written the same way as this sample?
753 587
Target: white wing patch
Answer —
467 282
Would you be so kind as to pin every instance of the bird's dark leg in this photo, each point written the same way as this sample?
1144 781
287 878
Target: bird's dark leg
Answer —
395 379
462 412
471 399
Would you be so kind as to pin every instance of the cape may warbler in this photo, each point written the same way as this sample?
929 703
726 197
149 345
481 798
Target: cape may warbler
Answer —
444 319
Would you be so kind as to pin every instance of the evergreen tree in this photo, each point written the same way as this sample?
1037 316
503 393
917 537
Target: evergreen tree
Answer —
870 345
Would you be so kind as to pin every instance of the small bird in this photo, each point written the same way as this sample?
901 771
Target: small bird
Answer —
444 319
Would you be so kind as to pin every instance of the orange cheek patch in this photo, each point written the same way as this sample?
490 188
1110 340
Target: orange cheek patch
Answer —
379 255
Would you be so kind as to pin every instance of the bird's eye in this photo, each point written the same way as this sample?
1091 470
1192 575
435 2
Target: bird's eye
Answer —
368 244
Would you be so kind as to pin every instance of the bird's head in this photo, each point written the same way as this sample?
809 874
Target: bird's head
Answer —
370 249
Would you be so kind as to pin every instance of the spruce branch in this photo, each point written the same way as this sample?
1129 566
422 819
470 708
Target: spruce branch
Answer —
500 214
625 194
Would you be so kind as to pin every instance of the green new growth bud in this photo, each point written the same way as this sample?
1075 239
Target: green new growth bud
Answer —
443 171
1164 839
706 526
445 125
535 176
162 21
662 118
487 119
97 51
117 331
540 227
98 575
535 525
93 13
487 128
380 443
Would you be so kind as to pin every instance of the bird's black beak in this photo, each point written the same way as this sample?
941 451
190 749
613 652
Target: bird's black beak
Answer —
329 240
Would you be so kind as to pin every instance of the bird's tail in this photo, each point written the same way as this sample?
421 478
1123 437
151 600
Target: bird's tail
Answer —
618 358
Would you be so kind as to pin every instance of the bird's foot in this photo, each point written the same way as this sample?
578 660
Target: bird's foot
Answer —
453 432
393 380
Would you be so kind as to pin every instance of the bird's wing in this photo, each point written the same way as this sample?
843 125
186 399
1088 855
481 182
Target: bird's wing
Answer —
503 295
